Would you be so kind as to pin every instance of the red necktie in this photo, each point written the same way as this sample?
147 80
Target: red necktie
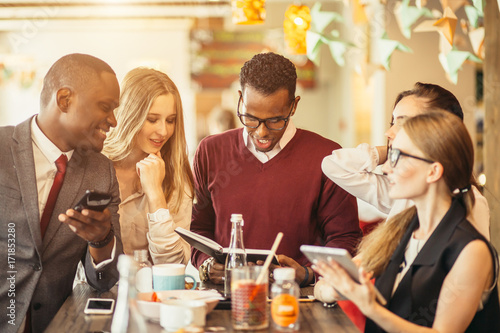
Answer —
54 192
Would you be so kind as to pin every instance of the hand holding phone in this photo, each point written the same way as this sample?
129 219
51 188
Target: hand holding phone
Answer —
99 306
93 201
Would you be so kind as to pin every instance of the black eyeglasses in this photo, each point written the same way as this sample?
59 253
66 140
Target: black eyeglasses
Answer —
273 124
394 154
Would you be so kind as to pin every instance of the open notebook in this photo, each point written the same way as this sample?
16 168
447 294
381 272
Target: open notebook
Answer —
213 249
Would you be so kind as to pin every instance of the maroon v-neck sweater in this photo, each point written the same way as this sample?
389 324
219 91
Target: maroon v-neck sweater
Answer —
289 193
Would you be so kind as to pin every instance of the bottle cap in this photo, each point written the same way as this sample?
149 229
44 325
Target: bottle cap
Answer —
236 218
285 273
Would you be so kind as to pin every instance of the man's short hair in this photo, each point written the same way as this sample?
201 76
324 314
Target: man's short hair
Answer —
75 70
268 73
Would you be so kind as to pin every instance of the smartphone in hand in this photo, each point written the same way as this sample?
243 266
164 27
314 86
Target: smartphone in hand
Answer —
94 201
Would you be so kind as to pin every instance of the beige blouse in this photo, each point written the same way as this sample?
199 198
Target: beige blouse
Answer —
163 243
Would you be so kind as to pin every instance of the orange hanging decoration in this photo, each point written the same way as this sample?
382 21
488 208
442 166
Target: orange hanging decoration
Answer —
297 22
248 11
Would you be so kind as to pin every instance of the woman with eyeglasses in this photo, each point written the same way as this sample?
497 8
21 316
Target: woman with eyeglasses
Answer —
434 268
148 150
353 169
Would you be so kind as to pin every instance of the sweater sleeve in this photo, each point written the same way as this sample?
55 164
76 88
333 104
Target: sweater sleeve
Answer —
338 217
353 170
203 218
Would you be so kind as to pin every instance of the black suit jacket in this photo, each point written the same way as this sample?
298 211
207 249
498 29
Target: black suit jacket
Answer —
40 273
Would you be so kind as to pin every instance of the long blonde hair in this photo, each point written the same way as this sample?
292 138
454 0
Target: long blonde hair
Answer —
443 138
140 88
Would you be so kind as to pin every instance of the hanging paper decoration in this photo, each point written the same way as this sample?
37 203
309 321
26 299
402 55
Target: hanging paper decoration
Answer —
473 14
420 3
454 4
479 4
320 20
477 41
447 25
248 11
297 22
386 48
407 15
359 14
454 60
316 36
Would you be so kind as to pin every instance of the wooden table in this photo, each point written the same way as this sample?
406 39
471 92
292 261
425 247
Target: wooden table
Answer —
70 318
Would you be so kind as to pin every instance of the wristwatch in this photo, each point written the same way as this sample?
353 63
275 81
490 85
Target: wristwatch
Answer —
205 269
161 215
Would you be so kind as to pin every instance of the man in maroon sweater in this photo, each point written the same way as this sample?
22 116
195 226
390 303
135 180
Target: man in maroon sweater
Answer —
270 172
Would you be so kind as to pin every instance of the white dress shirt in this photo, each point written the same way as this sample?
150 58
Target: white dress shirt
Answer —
45 154
266 157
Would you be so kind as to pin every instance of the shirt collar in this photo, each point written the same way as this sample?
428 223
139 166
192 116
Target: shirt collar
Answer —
47 147
287 136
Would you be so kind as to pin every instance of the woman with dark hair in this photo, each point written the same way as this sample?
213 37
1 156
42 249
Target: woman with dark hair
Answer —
353 169
425 259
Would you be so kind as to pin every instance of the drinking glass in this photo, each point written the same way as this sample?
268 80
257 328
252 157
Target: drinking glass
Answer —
249 299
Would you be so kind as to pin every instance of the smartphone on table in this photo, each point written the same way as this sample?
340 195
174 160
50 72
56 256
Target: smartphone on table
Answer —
99 306
94 201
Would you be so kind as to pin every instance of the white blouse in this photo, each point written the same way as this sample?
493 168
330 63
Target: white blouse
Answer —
412 249
163 243
354 170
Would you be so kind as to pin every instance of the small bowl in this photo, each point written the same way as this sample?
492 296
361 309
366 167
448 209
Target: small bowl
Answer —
151 310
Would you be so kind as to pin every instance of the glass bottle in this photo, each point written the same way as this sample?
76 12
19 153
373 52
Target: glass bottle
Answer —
236 255
126 317
285 294
144 276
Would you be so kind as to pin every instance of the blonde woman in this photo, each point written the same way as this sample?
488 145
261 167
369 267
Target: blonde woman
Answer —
149 153
437 272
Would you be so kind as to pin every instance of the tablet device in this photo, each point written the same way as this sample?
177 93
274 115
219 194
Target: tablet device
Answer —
341 256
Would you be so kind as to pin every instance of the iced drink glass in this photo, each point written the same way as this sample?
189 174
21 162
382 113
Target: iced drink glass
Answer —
249 300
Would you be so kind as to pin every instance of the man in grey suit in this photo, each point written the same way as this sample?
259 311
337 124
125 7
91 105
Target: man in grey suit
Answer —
37 268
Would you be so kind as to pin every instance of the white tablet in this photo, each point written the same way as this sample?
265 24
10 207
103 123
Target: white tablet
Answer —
341 256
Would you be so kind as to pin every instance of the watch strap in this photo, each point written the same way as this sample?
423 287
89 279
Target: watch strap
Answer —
105 241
